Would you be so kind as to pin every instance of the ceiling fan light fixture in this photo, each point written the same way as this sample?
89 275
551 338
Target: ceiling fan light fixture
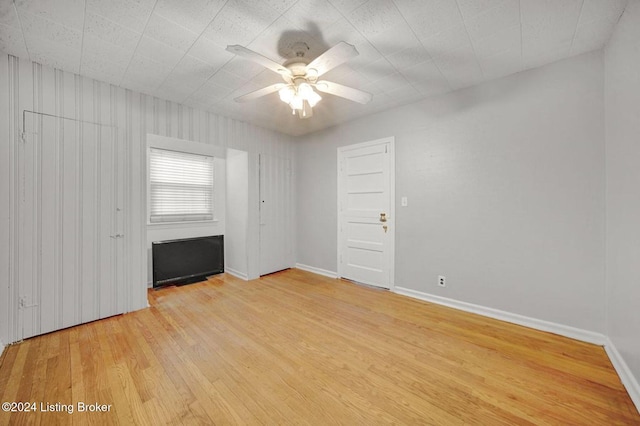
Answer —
313 98
304 90
300 97
286 94
296 102
305 112
301 85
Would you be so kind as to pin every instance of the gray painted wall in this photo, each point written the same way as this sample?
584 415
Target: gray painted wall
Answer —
505 183
622 88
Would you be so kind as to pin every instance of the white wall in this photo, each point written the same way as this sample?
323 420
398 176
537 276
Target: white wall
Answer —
6 183
505 183
237 212
29 86
622 95
172 231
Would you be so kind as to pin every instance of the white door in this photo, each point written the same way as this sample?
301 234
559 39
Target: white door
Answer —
69 239
276 218
366 212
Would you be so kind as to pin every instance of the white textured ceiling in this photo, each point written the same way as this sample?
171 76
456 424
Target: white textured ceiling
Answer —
409 49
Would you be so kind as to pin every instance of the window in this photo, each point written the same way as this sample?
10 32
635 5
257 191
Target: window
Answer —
181 186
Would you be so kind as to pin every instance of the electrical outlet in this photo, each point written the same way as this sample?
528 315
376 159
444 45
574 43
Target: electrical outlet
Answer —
442 281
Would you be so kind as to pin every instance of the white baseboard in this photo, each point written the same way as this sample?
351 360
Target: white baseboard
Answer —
551 327
318 271
623 370
2 346
237 274
621 367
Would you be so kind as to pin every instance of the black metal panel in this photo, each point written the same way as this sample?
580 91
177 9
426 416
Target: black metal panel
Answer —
187 260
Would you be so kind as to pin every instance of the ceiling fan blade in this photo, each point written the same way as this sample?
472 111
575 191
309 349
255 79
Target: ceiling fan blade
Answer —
333 57
260 92
344 91
258 58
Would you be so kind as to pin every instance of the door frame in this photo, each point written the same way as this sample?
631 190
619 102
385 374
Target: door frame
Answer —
392 205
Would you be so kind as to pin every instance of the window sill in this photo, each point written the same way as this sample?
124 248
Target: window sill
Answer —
188 224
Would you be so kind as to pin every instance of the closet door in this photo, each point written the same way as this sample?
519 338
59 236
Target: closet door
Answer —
70 239
276 219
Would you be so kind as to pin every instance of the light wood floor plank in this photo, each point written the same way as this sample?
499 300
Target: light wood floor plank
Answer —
298 348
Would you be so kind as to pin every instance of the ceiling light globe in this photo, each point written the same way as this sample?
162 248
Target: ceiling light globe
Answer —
286 94
305 90
313 98
296 102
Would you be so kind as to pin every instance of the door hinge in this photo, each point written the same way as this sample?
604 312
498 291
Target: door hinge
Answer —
385 149
23 137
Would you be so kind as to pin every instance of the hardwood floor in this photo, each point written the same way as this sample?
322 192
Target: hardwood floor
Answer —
298 348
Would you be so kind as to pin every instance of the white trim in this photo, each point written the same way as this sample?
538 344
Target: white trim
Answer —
315 270
538 324
2 347
392 211
236 274
172 225
391 140
218 153
623 370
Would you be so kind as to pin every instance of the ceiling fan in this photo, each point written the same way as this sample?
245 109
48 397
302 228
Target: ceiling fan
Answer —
301 77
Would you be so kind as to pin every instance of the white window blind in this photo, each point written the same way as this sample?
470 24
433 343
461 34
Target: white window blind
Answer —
181 186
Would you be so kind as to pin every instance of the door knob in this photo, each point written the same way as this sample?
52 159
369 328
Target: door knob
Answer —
383 217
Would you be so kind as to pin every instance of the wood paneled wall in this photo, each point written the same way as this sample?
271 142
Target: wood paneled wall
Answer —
28 86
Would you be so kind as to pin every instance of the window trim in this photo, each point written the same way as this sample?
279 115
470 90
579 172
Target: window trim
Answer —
188 147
